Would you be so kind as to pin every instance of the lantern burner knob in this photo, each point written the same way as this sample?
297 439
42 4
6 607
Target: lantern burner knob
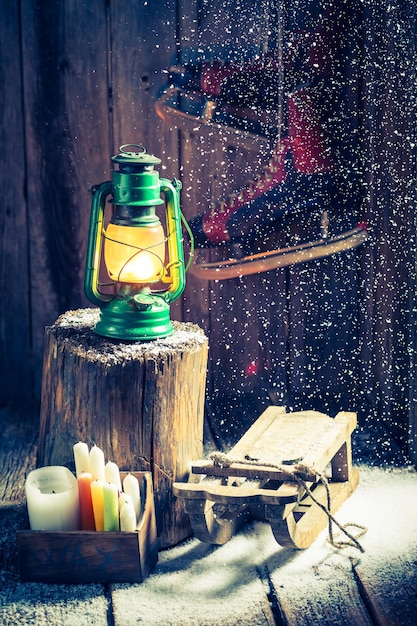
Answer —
143 301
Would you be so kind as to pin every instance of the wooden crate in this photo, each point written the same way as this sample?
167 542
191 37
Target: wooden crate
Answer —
92 557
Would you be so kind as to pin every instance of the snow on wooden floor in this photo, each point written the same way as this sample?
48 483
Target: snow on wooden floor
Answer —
249 581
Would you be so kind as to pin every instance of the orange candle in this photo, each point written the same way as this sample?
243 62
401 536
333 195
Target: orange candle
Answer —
86 503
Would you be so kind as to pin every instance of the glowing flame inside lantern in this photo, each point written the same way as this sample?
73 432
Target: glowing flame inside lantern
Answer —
135 254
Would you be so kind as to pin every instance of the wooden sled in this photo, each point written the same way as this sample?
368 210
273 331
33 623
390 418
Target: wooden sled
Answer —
253 481
241 126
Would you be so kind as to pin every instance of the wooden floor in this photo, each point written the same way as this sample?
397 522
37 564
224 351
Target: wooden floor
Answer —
249 581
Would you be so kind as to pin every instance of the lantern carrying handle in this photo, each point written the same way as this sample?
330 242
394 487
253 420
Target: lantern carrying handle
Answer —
91 277
171 192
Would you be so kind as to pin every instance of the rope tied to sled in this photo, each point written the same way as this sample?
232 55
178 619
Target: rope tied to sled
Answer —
296 473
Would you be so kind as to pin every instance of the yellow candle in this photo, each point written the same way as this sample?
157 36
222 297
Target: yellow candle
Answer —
97 498
111 507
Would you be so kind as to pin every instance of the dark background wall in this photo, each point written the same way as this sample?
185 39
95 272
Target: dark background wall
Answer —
78 79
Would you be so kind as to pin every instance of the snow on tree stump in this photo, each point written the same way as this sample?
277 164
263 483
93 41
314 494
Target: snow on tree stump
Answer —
142 403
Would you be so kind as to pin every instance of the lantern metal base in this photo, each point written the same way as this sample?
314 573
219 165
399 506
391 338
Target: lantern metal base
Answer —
137 318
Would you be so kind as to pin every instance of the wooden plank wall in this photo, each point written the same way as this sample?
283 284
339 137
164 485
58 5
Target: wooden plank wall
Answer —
15 346
215 168
81 78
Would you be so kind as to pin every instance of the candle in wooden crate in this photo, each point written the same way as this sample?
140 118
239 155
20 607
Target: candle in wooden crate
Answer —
90 556
52 499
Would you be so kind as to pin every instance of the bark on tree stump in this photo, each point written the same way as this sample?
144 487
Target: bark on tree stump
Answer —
142 403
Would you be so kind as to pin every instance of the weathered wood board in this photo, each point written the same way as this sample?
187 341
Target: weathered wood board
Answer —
16 370
67 132
390 590
247 581
336 599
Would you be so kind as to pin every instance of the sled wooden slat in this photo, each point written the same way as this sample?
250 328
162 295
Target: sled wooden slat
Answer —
282 439
208 468
224 494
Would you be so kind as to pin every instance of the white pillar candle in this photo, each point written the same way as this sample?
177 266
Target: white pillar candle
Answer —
128 518
81 458
124 498
131 487
97 463
112 474
52 499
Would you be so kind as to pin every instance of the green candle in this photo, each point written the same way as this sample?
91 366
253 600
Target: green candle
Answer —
111 507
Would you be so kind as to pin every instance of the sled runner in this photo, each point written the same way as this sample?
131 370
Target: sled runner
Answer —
275 473
282 257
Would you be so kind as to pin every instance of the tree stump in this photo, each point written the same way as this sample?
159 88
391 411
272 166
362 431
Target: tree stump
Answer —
142 403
